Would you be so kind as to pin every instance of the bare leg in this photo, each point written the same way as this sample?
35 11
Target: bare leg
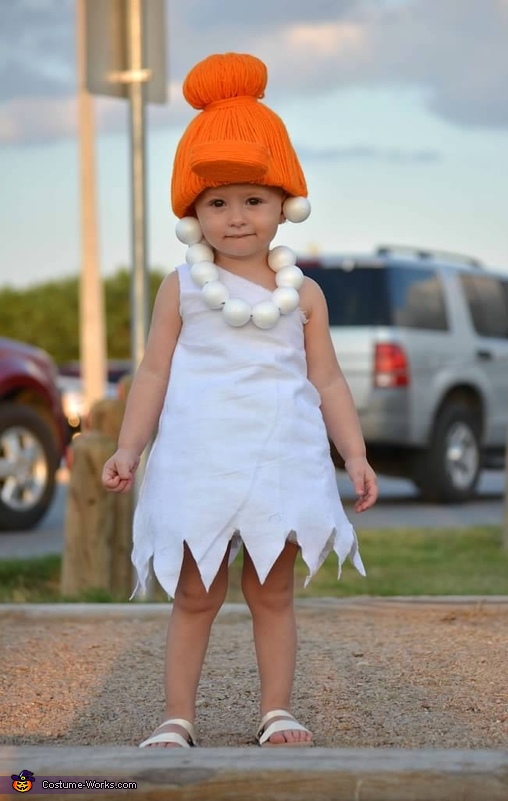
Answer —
188 634
274 625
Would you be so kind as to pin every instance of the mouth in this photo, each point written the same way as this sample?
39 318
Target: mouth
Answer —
238 236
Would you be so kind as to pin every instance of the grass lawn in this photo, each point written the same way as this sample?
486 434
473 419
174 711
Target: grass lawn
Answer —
402 562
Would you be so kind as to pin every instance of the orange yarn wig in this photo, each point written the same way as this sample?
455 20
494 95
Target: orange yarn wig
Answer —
235 138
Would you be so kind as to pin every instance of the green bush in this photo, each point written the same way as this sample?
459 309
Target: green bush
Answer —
47 315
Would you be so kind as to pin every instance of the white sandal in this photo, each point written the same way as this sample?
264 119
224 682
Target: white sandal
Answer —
288 723
173 736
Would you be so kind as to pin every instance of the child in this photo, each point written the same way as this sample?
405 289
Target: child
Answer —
241 376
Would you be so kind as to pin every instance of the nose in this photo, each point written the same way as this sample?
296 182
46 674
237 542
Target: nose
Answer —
236 217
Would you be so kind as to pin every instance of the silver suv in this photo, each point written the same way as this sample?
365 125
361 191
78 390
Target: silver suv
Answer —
422 338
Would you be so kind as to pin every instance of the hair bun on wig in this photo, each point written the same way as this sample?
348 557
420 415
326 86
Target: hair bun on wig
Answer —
223 77
234 138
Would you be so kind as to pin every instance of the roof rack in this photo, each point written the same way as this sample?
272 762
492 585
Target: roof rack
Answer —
428 254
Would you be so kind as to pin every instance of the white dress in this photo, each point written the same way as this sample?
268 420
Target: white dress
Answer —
241 453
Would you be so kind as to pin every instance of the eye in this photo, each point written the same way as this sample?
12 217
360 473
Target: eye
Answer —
254 201
216 203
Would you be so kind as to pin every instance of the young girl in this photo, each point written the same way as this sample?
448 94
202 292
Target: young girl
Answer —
241 377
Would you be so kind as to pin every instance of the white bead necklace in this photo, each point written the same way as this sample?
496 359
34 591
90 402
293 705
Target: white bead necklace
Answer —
236 311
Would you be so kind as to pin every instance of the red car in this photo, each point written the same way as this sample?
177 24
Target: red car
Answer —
33 434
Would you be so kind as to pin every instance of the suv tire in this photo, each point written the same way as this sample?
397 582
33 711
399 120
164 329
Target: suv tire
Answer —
28 464
448 472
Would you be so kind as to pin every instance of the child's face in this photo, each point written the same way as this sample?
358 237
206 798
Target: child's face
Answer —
240 220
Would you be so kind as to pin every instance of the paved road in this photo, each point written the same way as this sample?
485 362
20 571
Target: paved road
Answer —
397 507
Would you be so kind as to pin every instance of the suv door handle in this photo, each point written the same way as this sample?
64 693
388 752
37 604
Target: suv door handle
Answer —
484 355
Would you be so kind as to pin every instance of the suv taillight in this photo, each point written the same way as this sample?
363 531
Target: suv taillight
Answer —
390 366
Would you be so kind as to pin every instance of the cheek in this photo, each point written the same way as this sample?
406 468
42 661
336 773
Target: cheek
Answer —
273 227
210 229
203 220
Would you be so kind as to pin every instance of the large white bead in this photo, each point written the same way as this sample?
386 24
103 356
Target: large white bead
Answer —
188 231
265 314
280 257
286 298
215 294
199 252
236 312
290 276
296 209
204 271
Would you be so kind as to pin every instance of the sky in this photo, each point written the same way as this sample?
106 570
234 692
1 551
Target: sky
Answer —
398 110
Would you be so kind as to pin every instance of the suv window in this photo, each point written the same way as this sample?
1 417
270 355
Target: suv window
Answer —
408 297
355 297
487 298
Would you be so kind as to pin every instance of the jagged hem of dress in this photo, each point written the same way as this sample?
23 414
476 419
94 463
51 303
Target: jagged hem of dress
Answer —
344 546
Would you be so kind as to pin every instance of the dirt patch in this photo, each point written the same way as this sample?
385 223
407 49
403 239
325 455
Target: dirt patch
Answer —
376 674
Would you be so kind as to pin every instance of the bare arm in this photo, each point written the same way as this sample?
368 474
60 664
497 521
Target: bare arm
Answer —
146 396
337 405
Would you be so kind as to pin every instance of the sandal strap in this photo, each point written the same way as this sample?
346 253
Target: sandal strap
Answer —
172 736
185 724
289 723
166 737
274 713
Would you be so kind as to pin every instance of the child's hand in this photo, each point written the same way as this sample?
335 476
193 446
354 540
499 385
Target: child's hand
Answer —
364 481
118 472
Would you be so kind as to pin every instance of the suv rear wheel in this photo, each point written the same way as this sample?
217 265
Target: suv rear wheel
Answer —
448 472
28 463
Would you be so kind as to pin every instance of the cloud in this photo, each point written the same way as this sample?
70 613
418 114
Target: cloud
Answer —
206 16
454 51
35 119
37 48
32 120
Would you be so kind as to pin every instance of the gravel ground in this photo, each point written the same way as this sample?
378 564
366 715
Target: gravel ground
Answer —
376 674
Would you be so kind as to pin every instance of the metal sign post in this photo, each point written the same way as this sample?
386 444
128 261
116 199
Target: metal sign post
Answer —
126 58
136 77
92 328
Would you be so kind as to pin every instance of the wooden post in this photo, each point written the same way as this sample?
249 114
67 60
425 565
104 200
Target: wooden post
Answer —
98 523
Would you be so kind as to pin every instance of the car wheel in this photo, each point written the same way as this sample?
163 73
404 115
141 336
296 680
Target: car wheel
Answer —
28 463
448 472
